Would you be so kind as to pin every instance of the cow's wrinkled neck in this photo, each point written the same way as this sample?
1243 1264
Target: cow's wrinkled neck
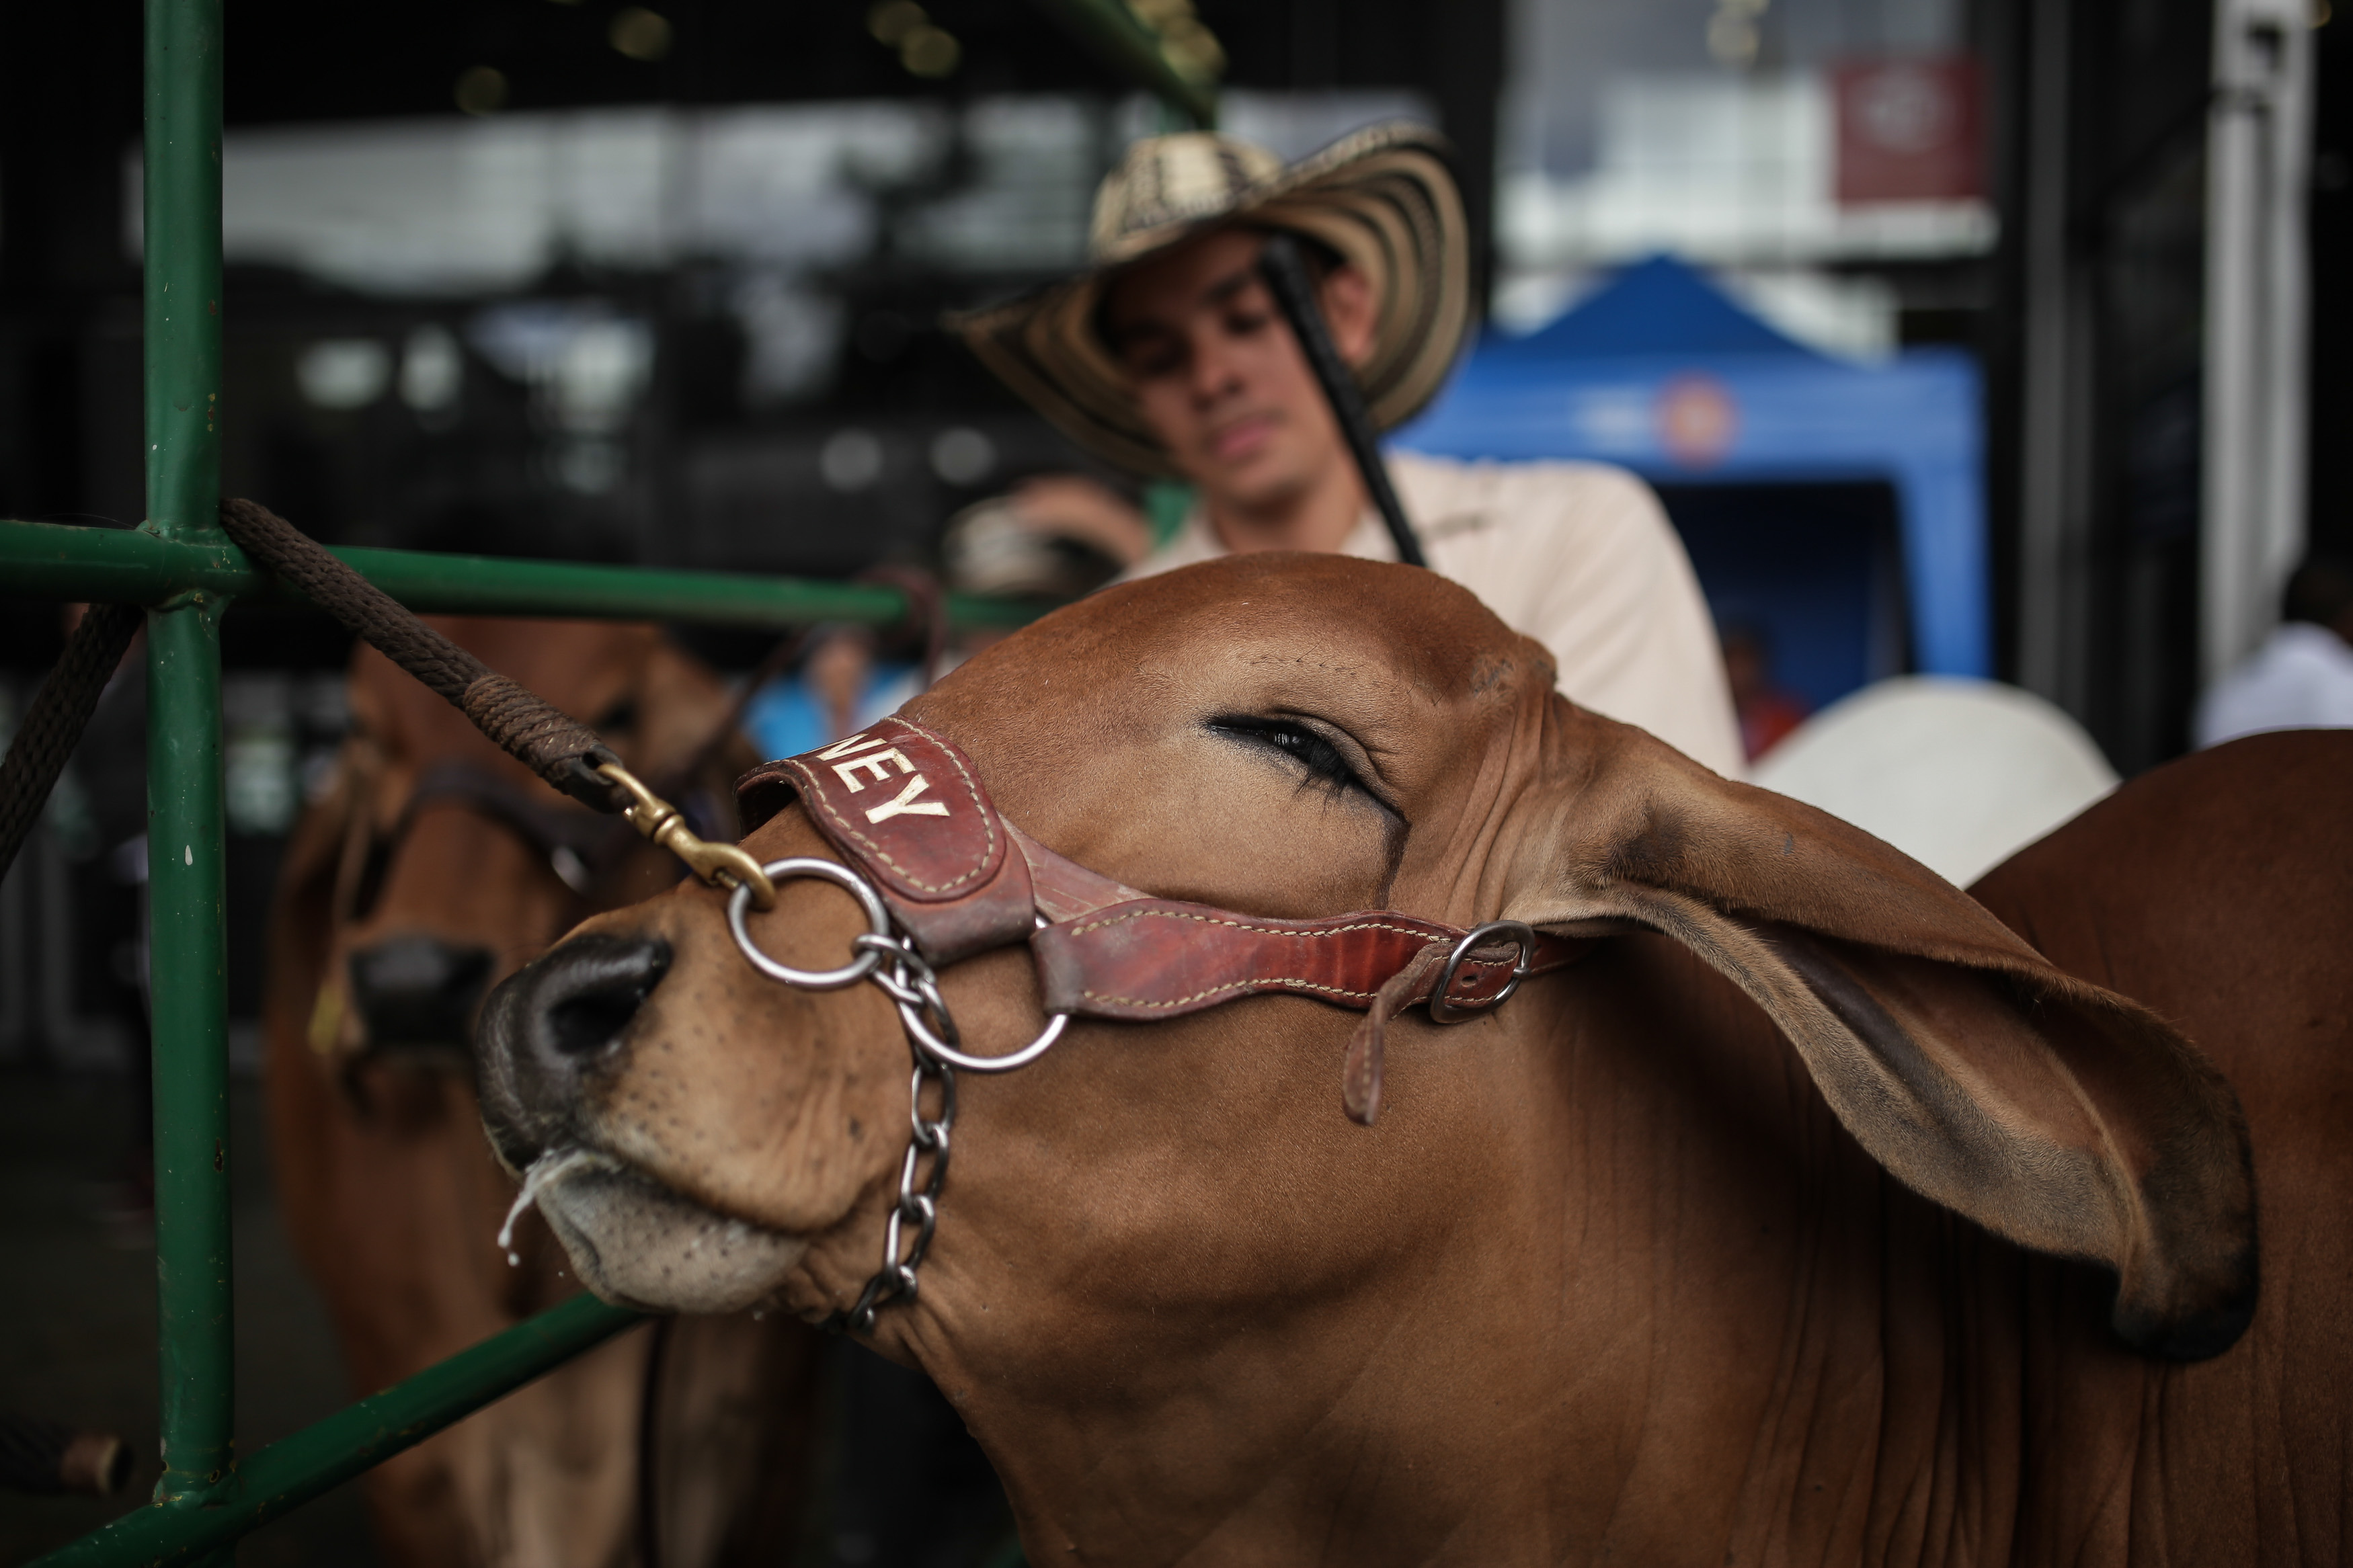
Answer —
1272 1363
1647 1278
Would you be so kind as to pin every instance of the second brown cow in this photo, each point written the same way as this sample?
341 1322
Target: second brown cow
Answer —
433 867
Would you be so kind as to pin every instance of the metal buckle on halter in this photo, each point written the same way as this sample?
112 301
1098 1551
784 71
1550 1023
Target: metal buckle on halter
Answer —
1518 932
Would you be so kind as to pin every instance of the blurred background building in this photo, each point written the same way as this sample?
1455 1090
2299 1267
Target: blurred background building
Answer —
1966 335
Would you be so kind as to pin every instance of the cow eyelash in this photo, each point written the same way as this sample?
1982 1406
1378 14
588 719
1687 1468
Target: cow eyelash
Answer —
1325 761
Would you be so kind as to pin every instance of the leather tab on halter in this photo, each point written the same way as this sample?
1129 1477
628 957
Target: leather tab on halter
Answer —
1157 958
1064 889
902 805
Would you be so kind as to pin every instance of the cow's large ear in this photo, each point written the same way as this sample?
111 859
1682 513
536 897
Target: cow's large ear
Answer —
2062 1116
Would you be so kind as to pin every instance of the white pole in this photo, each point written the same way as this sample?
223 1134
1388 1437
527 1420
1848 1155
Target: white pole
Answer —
2259 148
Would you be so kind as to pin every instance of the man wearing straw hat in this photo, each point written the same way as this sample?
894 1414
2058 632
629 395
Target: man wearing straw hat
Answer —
1169 357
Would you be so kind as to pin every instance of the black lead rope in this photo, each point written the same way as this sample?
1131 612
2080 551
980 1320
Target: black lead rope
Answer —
54 723
1294 294
561 751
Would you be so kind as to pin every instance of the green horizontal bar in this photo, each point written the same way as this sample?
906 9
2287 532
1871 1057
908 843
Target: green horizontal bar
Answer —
484 585
115 565
46 560
332 1451
1112 30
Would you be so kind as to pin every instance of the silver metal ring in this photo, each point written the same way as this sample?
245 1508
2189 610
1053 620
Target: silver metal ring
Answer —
931 1046
857 887
1518 932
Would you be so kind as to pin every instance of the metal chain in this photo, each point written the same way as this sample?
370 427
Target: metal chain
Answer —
889 961
911 983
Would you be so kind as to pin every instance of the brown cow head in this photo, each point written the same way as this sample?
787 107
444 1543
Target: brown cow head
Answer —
436 866
1167 1264
455 864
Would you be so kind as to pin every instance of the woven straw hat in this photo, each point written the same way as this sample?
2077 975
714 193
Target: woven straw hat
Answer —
1382 198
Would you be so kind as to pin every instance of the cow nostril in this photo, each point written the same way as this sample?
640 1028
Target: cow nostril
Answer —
583 1025
591 989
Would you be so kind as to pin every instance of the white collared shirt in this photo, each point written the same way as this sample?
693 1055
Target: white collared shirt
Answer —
2301 678
1580 557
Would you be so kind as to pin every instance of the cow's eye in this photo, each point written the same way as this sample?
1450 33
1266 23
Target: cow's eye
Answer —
1325 761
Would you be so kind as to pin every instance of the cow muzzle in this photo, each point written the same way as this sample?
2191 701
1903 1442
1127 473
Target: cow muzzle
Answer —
637 1242
549 1033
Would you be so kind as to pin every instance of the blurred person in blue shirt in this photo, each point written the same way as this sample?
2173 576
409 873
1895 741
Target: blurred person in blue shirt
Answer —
1053 537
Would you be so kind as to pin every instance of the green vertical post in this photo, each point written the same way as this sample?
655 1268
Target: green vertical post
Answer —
187 950
187 960
182 225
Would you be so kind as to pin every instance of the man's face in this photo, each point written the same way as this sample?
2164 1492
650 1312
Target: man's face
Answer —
1218 375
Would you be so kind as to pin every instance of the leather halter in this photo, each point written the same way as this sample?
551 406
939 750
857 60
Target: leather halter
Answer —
580 847
906 808
574 842
927 851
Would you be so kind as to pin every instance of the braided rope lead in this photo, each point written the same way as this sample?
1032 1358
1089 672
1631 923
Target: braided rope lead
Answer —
553 744
54 723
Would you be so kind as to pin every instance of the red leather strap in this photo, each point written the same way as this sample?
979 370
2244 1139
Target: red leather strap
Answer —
1157 958
907 808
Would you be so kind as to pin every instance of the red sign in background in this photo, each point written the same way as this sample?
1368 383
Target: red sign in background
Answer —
1909 131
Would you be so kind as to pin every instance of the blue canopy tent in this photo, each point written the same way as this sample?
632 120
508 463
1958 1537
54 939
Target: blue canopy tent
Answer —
1761 447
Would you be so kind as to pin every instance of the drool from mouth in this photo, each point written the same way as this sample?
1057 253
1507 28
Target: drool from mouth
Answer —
637 1242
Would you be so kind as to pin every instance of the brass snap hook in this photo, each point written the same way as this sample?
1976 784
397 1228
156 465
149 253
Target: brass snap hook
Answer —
722 865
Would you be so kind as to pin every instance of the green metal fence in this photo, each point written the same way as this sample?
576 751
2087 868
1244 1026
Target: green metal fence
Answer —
185 573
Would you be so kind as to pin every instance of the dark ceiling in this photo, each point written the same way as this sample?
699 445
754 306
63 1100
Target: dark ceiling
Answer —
311 61
69 97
